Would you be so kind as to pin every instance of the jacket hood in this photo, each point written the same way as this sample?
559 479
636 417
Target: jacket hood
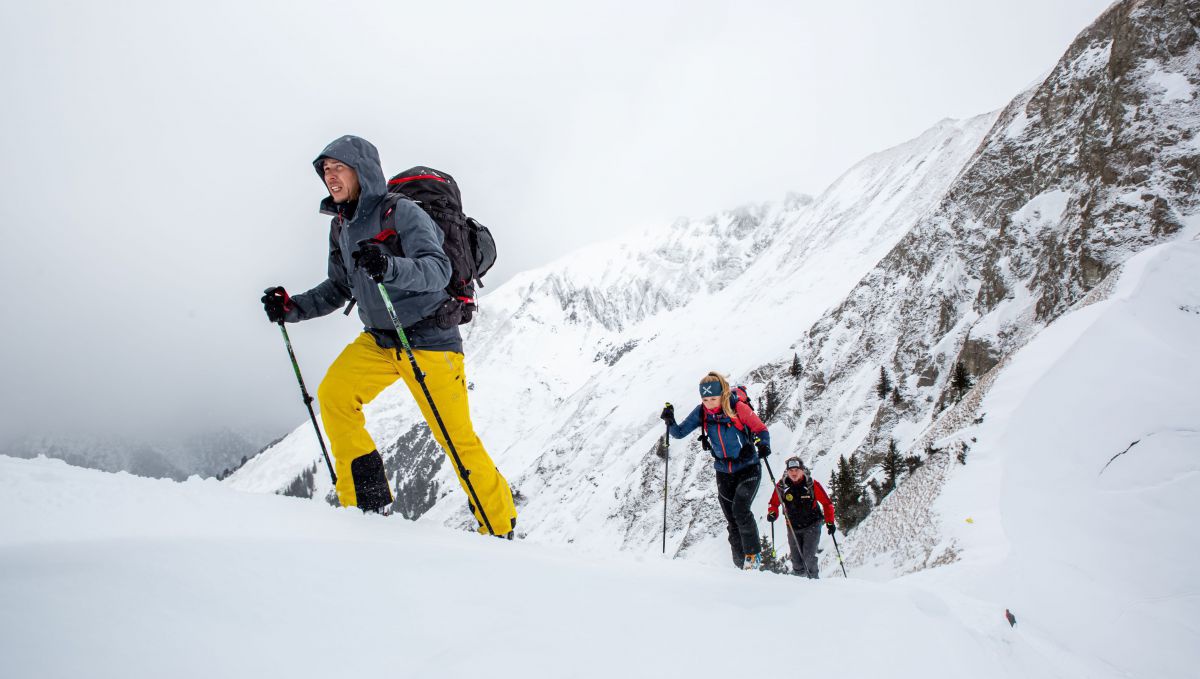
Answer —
361 155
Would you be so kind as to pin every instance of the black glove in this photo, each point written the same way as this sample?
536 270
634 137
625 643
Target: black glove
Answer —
668 414
831 528
771 516
277 303
371 258
764 451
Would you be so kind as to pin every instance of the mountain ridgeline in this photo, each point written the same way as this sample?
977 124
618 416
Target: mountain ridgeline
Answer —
1092 165
943 255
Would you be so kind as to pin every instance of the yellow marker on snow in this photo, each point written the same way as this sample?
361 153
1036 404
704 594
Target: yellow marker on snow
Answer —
970 520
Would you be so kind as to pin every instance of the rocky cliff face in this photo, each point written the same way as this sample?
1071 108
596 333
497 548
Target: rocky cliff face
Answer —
1094 164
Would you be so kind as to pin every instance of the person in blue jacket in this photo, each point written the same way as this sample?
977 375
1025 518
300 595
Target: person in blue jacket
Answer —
737 438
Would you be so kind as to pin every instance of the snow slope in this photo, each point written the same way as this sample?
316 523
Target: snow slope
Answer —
117 576
1076 503
1086 473
1090 541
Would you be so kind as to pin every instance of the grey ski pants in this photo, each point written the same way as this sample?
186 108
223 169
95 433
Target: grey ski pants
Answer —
804 555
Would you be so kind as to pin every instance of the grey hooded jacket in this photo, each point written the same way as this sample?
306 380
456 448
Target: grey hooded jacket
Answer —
415 282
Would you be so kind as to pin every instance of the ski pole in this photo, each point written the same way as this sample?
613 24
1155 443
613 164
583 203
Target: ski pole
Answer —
839 555
783 510
307 401
463 472
666 445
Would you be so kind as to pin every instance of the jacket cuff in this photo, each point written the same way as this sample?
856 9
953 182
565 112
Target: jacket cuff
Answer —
392 270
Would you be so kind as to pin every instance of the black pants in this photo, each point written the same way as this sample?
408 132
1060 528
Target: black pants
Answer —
735 492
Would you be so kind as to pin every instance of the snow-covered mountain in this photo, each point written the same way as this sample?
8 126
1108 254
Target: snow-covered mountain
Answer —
176 456
1095 163
961 245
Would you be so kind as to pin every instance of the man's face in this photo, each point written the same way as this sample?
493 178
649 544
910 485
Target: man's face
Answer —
795 474
341 180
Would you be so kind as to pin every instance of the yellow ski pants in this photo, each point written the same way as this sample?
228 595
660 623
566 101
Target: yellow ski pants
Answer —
362 371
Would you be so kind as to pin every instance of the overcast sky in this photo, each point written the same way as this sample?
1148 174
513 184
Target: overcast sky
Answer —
156 173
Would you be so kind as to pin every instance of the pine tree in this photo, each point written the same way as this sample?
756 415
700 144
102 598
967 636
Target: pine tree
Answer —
891 468
771 561
961 380
913 462
837 485
897 399
884 385
794 371
876 491
856 466
772 401
849 496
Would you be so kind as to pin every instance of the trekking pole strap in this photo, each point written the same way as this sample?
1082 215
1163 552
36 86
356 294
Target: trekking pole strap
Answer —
412 360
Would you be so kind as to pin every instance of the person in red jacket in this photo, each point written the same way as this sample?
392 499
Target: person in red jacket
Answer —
806 504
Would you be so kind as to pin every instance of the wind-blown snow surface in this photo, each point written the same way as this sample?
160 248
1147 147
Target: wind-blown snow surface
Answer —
117 576
1091 542
1077 504
1086 475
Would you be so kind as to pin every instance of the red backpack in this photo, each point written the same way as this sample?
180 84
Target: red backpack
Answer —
738 395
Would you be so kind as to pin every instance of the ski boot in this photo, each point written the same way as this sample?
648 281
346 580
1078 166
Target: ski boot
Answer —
753 562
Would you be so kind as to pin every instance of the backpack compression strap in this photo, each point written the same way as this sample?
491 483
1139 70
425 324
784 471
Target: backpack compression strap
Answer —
389 229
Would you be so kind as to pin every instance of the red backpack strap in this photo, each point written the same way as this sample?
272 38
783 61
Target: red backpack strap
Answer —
387 224
737 422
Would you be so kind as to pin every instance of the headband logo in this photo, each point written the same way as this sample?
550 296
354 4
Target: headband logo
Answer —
710 389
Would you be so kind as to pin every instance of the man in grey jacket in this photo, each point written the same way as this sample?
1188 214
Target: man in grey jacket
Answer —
415 271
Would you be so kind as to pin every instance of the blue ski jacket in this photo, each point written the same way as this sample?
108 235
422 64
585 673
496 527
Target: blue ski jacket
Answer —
732 441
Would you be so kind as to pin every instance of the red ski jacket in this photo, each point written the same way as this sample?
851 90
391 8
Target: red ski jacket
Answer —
802 500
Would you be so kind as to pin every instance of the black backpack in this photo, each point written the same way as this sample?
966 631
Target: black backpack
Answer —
468 244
